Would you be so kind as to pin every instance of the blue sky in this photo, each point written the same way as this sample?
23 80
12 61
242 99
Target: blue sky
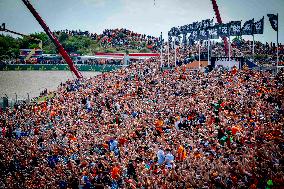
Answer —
137 15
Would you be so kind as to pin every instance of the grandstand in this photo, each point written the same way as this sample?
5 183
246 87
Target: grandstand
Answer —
194 114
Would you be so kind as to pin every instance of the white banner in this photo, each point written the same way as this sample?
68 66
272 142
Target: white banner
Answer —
227 64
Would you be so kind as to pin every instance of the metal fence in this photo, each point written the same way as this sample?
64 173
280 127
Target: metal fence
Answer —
6 101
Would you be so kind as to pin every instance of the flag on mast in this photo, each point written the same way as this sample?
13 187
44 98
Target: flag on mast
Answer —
258 27
273 21
274 24
248 27
161 44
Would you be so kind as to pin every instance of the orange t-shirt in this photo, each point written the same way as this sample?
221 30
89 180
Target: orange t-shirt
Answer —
115 173
52 113
159 123
235 130
181 153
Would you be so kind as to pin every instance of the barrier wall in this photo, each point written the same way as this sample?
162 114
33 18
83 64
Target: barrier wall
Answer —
227 64
48 67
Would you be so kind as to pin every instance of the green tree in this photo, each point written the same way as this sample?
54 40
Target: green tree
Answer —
63 37
144 50
70 46
9 47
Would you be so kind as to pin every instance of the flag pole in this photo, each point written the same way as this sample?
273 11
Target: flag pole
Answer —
161 50
175 52
168 52
229 48
277 61
199 55
253 47
208 41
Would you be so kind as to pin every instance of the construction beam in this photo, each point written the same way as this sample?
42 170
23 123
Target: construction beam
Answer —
53 39
219 20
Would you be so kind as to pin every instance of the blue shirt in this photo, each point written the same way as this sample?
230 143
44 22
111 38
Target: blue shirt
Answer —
169 158
161 157
113 144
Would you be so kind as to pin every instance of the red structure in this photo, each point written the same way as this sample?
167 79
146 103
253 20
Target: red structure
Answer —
219 20
53 39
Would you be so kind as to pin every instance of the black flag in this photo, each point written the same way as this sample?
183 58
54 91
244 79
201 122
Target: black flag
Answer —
248 27
184 41
183 30
174 31
169 38
178 31
190 40
190 28
235 28
212 22
194 35
194 26
161 40
223 30
258 27
177 40
213 32
273 21
206 23
198 25
203 34
187 29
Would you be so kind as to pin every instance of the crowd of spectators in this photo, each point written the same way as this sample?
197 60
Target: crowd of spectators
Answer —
265 54
183 54
93 36
101 61
123 39
128 39
88 61
119 38
143 127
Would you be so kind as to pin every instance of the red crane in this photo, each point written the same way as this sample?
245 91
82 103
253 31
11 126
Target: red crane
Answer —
219 20
53 39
